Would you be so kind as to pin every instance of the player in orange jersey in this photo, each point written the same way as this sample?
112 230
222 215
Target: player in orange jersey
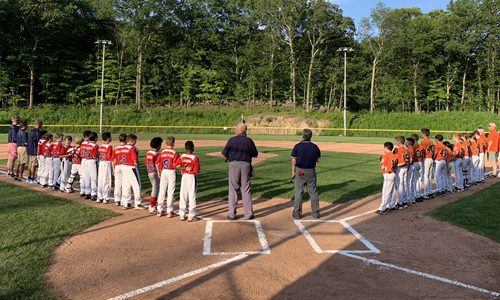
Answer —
404 161
417 169
482 149
410 185
388 163
458 154
474 146
449 157
467 160
441 166
427 163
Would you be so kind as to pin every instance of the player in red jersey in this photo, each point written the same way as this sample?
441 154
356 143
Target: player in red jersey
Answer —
76 160
57 151
104 177
84 181
91 155
42 168
166 171
151 159
65 163
190 166
47 154
124 161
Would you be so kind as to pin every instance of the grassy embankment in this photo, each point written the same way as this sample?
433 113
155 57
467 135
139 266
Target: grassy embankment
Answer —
228 116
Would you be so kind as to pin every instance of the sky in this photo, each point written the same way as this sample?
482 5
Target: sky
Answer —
358 9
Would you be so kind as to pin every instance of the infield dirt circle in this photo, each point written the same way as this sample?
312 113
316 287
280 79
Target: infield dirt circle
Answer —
349 253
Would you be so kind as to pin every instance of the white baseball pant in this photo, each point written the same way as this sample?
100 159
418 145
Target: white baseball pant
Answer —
56 162
91 177
427 164
475 169
75 169
409 184
118 183
401 181
84 181
449 179
188 191
50 171
167 183
440 175
481 167
42 170
130 181
104 180
466 170
155 184
388 192
417 175
459 176
65 173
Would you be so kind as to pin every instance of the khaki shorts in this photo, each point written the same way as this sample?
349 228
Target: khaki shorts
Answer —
12 154
33 160
492 156
22 155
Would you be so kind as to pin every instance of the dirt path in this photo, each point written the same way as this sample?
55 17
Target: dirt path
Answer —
144 257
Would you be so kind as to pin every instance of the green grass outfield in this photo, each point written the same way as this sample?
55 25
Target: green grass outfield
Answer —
478 213
33 224
224 137
341 176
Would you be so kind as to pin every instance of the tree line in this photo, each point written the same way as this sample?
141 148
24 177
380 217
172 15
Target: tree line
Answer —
278 52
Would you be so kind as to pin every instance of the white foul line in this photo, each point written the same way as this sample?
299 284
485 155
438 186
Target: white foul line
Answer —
178 278
377 262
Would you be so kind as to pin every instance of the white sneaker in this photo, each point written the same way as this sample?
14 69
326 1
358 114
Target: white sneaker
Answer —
139 207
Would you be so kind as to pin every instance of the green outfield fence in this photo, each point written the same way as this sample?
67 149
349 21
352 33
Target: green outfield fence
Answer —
230 130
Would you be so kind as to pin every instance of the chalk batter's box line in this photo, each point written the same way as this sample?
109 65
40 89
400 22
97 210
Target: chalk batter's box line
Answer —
318 249
207 244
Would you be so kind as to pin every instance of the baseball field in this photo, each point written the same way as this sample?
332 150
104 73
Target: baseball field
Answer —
60 246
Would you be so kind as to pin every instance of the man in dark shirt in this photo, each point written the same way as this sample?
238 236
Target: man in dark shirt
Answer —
33 138
305 155
240 150
22 151
12 150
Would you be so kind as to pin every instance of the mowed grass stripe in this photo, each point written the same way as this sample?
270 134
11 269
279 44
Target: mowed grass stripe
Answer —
478 213
341 176
32 225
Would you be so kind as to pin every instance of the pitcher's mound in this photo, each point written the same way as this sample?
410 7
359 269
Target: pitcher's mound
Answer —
258 159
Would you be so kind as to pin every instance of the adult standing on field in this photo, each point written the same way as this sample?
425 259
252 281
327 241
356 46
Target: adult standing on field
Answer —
33 138
239 151
493 147
305 155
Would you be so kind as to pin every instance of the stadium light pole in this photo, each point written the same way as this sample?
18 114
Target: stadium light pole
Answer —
345 50
104 43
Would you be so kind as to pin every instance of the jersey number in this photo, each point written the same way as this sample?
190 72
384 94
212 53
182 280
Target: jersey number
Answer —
166 164
151 167
406 158
123 160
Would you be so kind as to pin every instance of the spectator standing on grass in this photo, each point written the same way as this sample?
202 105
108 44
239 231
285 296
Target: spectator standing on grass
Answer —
240 150
305 155
33 138
22 143
492 147
12 150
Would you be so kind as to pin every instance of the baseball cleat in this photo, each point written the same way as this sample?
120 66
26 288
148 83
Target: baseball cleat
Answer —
182 218
140 207
193 218
161 214
393 210
117 203
171 214
380 212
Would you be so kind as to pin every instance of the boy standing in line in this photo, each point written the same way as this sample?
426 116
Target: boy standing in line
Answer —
22 151
482 148
402 171
166 171
91 152
57 151
104 177
467 160
427 163
151 159
449 157
388 163
65 163
458 153
76 166
116 162
12 150
84 181
42 168
410 185
417 169
49 166
190 166
474 146
441 165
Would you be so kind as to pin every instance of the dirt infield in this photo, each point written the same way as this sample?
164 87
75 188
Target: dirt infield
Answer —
349 253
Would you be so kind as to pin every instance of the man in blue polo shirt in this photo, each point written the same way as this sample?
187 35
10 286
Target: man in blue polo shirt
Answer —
305 155
33 138
240 150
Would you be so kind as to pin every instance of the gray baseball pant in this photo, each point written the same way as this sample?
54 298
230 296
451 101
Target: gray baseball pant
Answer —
309 179
239 179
